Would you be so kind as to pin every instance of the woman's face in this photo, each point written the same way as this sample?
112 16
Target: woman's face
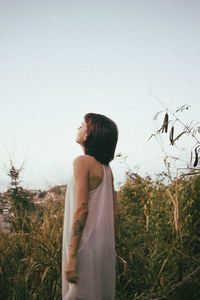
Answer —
82 133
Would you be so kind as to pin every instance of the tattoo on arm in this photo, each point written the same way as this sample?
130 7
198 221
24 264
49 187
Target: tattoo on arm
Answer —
78 227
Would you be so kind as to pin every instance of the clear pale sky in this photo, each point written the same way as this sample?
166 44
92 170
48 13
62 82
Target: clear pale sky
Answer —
62 59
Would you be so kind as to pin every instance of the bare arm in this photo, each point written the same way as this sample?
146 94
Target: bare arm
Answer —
81 210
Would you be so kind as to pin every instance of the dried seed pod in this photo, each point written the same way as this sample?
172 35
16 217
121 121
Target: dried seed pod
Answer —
196 157
191 158
165 123
171 135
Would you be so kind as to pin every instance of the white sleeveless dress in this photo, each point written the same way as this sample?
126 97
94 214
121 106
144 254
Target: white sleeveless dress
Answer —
96 254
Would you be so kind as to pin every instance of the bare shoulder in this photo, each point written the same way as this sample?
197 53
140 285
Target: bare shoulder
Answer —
81 162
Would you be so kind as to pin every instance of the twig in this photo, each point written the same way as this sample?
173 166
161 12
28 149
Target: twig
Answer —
184 280
185 126
174 287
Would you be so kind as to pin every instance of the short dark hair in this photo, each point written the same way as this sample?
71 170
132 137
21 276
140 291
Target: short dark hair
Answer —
102 136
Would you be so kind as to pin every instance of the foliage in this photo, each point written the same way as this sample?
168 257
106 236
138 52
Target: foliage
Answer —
31 262
155 258
21 203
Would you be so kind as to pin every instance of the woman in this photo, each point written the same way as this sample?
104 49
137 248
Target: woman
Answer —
88 250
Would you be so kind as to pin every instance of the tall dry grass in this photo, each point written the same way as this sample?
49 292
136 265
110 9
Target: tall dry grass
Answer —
153 261
31 262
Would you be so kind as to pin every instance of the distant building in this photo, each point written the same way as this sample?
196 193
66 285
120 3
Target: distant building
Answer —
5 211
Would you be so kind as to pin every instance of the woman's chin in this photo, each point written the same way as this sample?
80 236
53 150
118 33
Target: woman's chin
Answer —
78 142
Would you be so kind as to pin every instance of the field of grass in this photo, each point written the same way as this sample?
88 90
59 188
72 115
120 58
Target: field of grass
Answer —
157 244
